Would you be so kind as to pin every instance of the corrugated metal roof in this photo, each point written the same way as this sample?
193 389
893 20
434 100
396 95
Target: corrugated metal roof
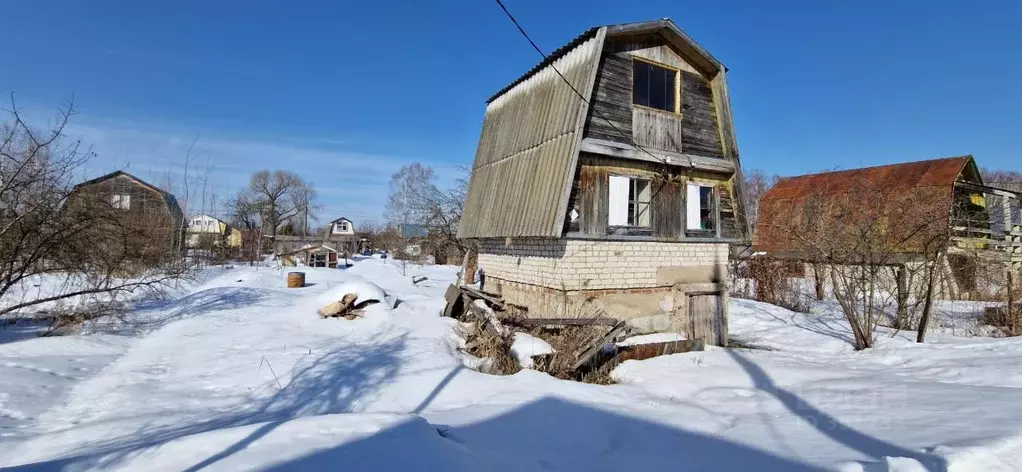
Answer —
932 180
528 150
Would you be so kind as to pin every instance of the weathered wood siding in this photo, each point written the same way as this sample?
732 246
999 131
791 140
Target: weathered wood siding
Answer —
149 212
700 133
667 202
694 130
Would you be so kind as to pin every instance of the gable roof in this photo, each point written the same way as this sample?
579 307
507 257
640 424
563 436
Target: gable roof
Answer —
932 180
196 215
341 218
665 26
168 197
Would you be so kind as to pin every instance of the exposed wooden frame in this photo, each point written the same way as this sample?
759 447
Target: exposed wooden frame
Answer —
687 161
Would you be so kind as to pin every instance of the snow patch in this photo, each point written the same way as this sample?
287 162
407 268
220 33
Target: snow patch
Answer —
652 338
527 346
364 289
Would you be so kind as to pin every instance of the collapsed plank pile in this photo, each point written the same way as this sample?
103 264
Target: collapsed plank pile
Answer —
585 349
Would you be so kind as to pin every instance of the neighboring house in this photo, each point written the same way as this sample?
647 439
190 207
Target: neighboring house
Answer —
152 212
981 220
625 207
339 235
218 230
341 226
319 255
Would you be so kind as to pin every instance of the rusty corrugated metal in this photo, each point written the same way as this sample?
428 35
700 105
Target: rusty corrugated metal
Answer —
932 181
528 152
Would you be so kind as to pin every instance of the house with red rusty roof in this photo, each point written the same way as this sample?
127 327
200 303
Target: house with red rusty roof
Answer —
918 207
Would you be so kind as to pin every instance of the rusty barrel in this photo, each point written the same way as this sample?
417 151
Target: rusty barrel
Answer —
295 279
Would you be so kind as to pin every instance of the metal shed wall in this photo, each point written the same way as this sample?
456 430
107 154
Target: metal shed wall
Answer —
528 151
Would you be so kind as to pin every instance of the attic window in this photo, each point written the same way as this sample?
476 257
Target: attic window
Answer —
654 86
341 227
629 201
121 202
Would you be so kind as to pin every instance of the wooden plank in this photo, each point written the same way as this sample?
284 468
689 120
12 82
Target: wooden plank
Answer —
624 151
702 309
667 210
564 321
593 200
588 354
654 129
475 293
640 352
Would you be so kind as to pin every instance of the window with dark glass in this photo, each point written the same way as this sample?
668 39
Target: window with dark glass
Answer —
701 209
653 86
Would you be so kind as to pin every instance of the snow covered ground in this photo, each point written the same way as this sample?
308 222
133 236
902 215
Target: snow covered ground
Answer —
239 373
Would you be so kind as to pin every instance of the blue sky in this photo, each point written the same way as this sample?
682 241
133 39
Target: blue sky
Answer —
344 93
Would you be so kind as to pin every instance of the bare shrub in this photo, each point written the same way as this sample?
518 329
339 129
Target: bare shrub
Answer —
858 231
777 282
72 245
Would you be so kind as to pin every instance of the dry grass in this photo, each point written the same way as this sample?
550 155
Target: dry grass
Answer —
485 343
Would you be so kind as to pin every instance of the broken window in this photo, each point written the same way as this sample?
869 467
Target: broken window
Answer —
653 86
701 209
629 201
121 202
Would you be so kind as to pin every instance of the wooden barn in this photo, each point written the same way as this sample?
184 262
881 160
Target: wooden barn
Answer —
152 215
924 206
620 199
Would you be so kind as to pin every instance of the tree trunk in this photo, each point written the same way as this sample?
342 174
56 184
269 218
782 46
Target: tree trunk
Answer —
1013 321
820 276
902 275
924 320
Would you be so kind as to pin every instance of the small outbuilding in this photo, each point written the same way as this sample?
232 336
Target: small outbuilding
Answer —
311 256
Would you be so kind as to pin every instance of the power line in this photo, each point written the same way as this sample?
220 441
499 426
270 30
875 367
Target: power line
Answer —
573 89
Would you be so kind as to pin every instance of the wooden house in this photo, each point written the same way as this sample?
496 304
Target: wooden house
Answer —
338 235
940 203
341 226
152 214
216 231
617 194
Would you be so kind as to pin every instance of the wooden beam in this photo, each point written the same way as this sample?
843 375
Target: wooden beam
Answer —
476 293
593 350
564 321
627 151
984 189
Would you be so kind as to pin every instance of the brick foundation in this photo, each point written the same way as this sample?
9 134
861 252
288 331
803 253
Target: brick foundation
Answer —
645 282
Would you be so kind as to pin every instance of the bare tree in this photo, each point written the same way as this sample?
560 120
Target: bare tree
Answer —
415 199
756 183
858 232
243 211
72 246
276 196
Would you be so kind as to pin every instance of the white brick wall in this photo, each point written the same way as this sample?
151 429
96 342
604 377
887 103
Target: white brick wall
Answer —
571 264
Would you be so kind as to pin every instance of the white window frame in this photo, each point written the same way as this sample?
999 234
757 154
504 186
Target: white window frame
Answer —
121 201
694 209
625 201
